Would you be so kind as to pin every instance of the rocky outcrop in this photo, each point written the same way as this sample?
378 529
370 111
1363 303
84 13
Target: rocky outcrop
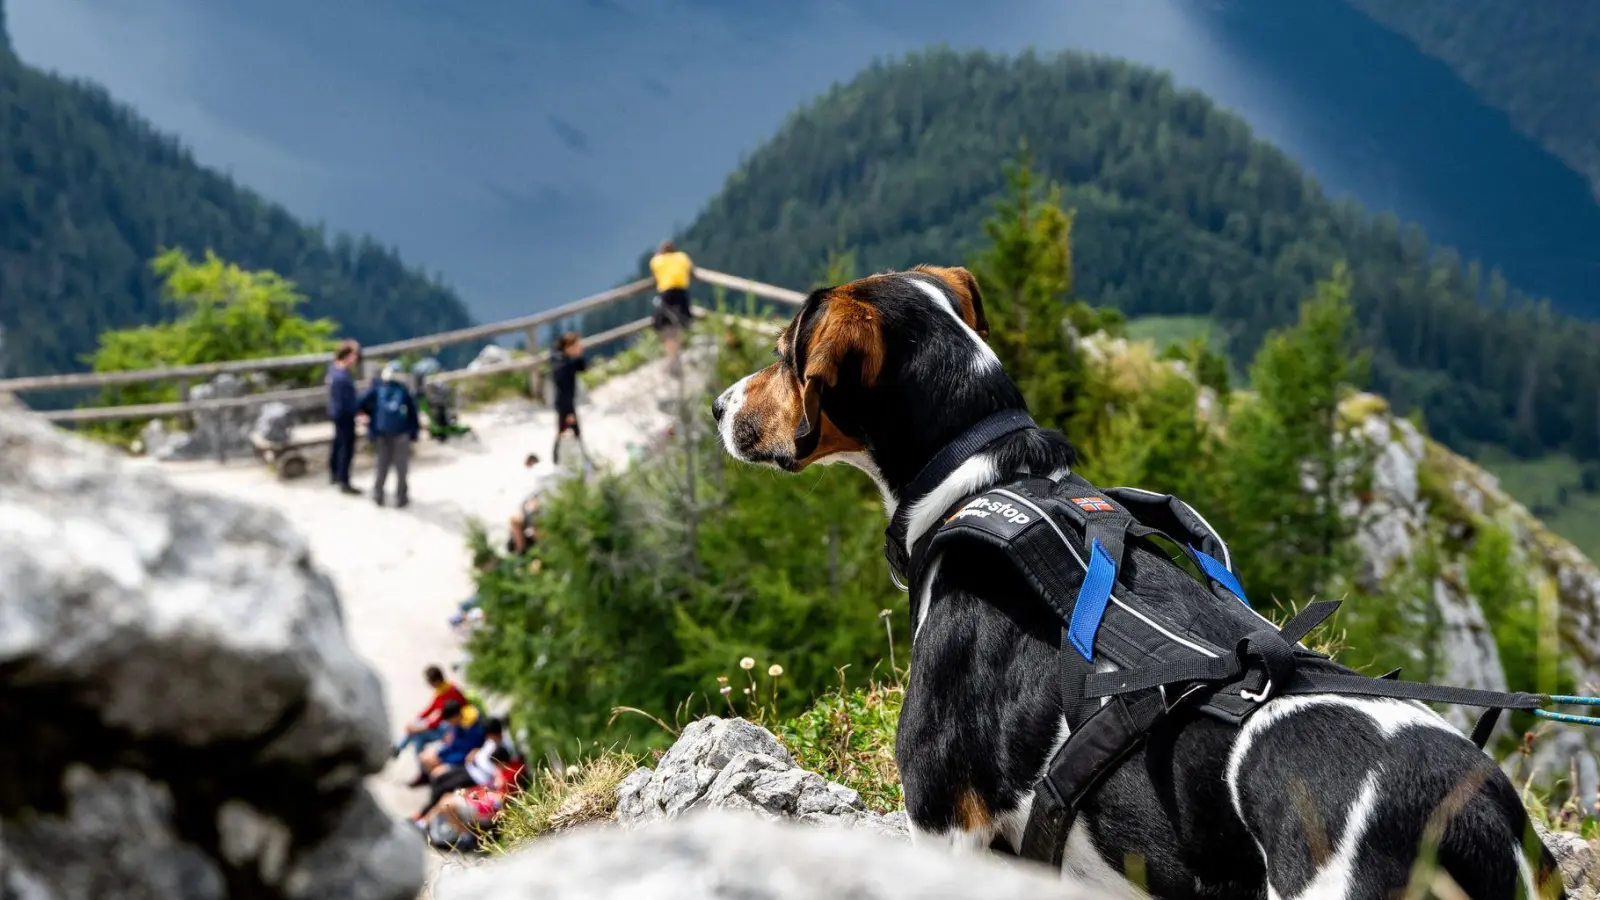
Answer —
730 854
736 764
490 355
1422 493
183 717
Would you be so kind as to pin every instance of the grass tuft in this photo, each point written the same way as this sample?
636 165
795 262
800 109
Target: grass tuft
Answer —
848 737
584 793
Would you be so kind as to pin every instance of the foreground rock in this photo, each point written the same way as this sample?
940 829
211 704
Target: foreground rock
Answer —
739 855
183 717
735 764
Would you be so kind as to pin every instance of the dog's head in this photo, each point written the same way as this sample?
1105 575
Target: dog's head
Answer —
865 369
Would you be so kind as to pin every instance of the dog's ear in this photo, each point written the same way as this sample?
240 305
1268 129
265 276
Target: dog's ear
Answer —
845 335
965 287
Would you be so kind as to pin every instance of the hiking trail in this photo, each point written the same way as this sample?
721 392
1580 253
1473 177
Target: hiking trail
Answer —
401 572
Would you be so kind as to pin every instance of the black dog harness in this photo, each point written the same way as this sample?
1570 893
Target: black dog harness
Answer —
1130 655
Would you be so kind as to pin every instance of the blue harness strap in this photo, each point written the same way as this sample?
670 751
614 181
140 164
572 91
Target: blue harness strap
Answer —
1220 574
1093 597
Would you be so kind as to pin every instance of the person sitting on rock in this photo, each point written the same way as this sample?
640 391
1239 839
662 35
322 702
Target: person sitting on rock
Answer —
428 726
463 734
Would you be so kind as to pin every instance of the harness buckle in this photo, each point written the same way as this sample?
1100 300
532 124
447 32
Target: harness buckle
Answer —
1170 705
1253 697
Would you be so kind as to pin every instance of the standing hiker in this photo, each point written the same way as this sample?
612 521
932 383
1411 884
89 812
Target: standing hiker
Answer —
342 408
566 361
392 428
672 269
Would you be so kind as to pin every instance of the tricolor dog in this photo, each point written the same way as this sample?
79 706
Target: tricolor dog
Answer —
1314 795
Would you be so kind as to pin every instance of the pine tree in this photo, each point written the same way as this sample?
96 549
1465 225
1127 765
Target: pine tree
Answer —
1026 278
1289 463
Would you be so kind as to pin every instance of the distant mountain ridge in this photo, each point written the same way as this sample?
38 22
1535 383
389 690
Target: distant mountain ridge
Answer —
90 193
1180 211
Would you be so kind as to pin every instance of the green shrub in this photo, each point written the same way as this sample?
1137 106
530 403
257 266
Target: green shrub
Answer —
223 313
653 579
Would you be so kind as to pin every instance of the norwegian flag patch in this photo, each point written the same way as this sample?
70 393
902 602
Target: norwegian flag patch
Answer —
1092 504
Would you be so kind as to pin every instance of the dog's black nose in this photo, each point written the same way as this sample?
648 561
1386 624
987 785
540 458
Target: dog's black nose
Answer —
718 408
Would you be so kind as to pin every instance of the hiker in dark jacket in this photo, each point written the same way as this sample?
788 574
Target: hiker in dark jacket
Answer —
342 408
392 427
566 361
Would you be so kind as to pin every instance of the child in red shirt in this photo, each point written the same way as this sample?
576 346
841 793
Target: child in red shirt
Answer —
427 727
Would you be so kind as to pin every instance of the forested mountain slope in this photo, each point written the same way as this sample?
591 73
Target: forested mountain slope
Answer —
1179 211
1535 60
89 193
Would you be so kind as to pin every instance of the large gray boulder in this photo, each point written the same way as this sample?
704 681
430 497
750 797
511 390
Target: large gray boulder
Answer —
182 715
735 764
722 854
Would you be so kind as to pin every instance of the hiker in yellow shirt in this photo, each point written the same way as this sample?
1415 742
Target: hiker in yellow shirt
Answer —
672 269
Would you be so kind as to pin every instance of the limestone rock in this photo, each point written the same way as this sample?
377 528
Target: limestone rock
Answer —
490 355
1579 861
1397 517
721 854
216 432
183 715
275 422
736 764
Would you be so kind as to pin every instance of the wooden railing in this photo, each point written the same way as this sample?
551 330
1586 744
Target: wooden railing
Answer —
528 325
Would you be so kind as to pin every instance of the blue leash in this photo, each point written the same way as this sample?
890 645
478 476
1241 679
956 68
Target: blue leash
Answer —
1570 718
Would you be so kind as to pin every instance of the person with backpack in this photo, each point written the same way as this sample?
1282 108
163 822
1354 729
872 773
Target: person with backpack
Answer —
393 425
672 269
566 361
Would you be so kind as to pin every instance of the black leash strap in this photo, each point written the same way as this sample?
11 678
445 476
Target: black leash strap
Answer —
1089 756
939 468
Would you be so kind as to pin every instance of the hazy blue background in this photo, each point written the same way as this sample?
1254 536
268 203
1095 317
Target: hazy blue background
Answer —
529 151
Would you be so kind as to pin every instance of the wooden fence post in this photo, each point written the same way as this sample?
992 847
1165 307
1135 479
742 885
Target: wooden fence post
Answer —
186 421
